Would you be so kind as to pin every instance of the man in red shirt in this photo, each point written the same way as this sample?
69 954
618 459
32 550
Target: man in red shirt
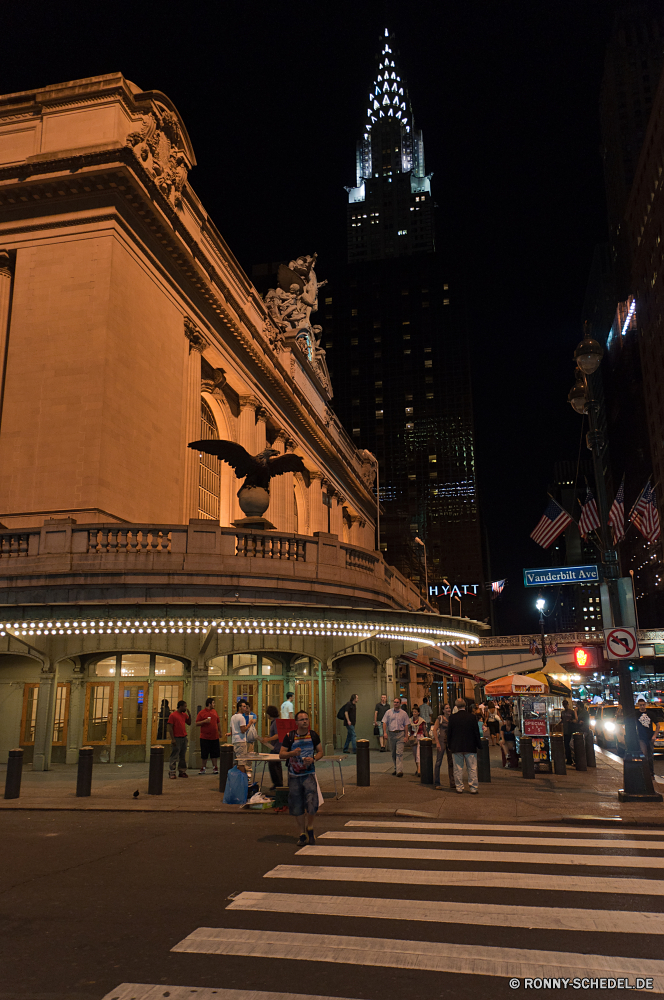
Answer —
208 720
177 730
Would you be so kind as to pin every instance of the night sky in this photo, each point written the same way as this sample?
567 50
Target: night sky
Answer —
506 93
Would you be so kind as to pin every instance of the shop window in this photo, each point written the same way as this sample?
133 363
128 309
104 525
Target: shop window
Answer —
135 665
61 715
209 469
218 665
245 663
106 668
167 667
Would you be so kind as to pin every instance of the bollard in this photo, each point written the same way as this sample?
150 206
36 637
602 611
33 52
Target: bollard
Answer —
226 761
527 762
363 767
637 774
590 749
156 776
558 753
426 761
14 771
84 775
483 761
579 744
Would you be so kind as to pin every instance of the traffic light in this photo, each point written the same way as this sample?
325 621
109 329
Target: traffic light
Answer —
585 658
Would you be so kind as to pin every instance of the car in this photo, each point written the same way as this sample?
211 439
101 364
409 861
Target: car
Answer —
605 724
656 714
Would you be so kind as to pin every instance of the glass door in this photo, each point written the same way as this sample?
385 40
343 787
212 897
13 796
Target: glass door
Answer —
273 694
132 721
247 690
165 699
304 702
98 708
219 691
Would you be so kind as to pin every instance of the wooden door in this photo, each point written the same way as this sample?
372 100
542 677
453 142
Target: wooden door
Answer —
165 698
132 709
98 710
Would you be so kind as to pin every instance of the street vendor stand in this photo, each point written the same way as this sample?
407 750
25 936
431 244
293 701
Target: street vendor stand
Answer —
529 712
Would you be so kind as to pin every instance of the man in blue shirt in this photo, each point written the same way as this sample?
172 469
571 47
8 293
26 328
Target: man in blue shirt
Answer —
302 748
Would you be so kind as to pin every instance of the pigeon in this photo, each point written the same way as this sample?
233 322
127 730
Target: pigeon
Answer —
136 793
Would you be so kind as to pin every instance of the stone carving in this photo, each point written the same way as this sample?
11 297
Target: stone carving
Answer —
369 466
197 341
159 145
290 307
217 380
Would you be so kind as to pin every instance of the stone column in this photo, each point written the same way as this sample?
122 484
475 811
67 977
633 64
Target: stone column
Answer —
192 420
6 277
328 710
75 723
317 510
247 435
280 511
197 696
48 683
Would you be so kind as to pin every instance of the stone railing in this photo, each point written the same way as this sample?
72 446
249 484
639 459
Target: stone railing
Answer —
561 639
319 567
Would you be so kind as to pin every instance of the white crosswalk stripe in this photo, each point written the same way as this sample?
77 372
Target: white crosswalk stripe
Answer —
486 857
148 991
454 838
497 915
514 827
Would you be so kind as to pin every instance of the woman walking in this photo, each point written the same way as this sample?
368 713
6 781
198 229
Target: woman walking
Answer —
416 731
493 722
440 736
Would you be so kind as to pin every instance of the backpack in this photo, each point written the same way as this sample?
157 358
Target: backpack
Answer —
341 714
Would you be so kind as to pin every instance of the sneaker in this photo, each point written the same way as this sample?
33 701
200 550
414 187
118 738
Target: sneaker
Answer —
439 788
345 751
202 771
302 841
459 791
183 774
216 770
400 774
394 772
383 749
474 791
312 839
172 774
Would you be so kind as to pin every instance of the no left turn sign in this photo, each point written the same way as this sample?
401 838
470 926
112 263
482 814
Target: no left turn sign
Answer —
621 643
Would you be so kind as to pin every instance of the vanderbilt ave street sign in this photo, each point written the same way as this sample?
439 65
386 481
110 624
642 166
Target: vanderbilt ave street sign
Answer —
561 574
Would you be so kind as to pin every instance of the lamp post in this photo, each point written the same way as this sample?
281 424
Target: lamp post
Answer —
539 604
588 356
426 574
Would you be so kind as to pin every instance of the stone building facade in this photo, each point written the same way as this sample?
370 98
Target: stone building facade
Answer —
127 578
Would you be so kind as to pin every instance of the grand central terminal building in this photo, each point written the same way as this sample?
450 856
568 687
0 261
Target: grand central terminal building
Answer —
131 573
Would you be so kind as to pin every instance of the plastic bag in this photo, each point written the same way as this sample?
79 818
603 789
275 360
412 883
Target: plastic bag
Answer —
237 784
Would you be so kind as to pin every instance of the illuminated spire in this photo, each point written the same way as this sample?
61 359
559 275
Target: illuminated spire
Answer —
388 96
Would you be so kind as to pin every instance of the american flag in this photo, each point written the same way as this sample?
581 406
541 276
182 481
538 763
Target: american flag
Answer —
617 514
644 514
553 522
498 586
589 519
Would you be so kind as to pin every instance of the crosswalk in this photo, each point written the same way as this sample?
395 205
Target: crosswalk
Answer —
592 911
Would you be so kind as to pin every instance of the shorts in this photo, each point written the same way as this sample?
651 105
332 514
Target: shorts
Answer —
302 794
240 749
210 748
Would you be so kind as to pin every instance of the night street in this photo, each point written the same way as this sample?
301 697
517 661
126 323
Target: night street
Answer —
94 901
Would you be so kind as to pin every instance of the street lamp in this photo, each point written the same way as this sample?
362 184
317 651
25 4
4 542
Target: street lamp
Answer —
588 356
540 604
426 574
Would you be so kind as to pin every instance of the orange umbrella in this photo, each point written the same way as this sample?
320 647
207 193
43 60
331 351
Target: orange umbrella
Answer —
516 684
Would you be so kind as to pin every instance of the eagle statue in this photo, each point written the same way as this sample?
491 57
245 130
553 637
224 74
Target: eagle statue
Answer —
257 470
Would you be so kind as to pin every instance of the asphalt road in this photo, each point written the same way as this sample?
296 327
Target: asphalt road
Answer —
90 901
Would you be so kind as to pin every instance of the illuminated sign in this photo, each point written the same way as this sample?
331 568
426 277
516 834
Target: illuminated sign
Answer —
562 574
458 590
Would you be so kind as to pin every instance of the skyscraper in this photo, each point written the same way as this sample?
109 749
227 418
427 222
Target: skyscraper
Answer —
393 329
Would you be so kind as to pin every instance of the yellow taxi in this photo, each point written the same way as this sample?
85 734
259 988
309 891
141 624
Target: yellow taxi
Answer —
606 724
656 713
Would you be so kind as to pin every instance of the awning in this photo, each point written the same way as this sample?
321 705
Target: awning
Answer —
441 668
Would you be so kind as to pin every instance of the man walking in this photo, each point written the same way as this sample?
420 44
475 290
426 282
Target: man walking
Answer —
287 709
381 708
177 730
350 718
395 722
302 748
208 721
240 722
425 711
645 728
463 737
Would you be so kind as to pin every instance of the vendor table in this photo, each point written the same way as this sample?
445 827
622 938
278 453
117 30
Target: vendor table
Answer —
265 758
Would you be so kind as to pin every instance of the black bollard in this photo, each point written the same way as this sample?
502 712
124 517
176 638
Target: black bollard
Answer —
637 775
579 744
483 761
226 761
156 776
590 749
363 767
84 775
527 762
14 772
558 753
426 761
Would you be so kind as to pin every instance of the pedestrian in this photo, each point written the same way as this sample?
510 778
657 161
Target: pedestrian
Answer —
350 718
416 731
507 744
302 748
464 741
287 707
646 729
582 717
425 711
493 722
394 730
239 726
251 734
272 741
568 718
177 731
440 736
208 720
381 708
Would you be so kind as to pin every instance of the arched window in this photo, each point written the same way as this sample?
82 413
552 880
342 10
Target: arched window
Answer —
209 473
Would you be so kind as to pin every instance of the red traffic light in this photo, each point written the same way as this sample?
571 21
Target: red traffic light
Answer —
584 657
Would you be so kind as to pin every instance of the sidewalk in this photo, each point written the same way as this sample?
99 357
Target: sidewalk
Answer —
589 796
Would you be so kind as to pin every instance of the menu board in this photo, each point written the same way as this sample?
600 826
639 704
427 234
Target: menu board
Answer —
534 727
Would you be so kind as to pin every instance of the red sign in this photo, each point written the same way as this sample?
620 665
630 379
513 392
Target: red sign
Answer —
534 727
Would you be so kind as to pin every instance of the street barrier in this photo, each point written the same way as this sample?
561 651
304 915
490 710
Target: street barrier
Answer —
579 744
426 761
84 773
590 749
558 753
527 762
226 761
483 761
637 777
156 775
14 772
363 765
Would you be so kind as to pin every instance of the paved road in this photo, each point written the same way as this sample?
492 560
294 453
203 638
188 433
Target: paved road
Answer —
196 906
